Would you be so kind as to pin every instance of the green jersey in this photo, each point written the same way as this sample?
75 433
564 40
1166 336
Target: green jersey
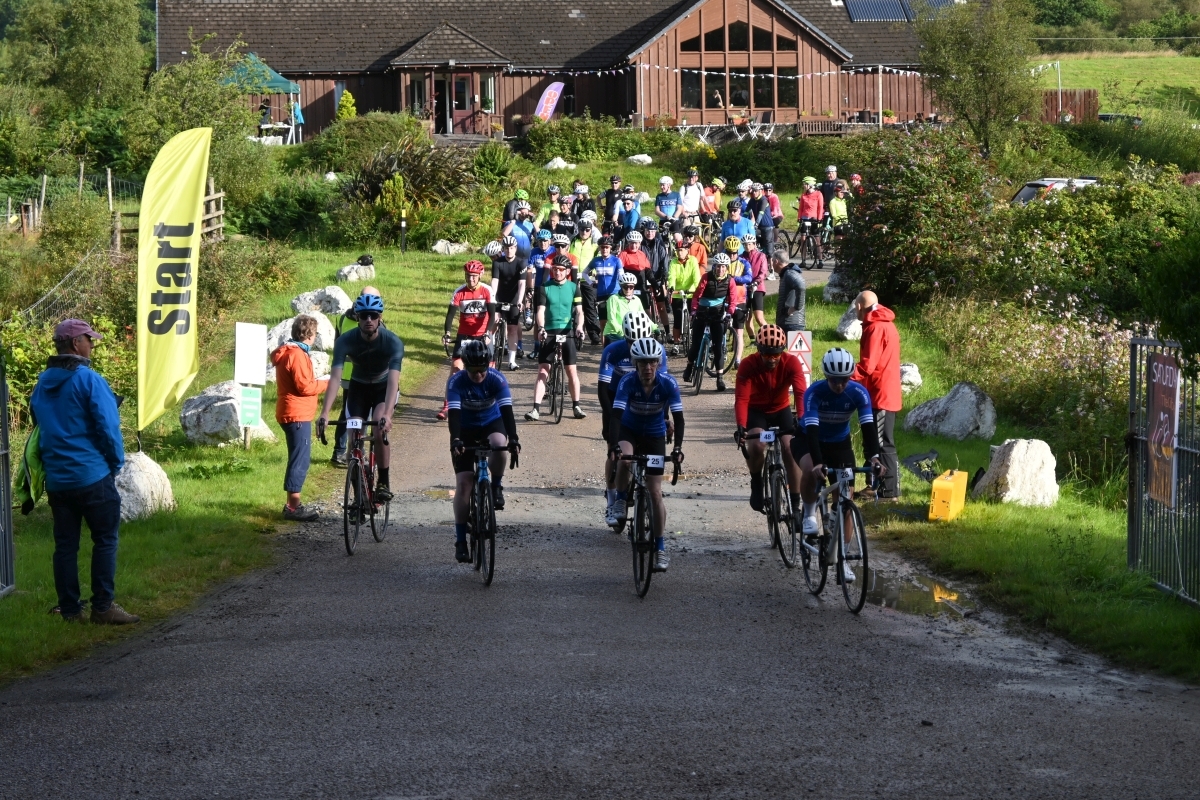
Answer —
560 301
618 306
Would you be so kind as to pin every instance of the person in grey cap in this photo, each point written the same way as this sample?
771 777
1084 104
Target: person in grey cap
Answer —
82 451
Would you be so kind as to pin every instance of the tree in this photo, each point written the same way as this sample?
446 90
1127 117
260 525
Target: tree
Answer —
1171 293
346 108
975 60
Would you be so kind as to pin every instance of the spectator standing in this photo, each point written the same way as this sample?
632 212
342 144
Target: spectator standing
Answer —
789 311
878 369
82 451
295 407
690 195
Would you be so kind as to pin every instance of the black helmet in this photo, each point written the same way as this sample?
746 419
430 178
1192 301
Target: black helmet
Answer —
732 204
562 261
693 173
691 230
475 353
647 222
615 179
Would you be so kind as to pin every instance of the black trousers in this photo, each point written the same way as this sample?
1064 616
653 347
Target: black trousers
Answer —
591 312
885 422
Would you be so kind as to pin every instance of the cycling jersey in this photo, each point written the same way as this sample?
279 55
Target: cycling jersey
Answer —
776 207
584 250
657 256
629 219
838 212
634 261
758 209
479 402
560 301
710 203
568 225
612 202
831 412
608 274
521 233
759 268
510 275
738 229
689 196
766 390
615 363
683 276
667 203
812 206
616 307
700 252
829 190
582 204
372 359
645 412
742 275
473 309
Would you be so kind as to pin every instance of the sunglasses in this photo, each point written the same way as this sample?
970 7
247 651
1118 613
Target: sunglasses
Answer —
477 370
370 315
838 380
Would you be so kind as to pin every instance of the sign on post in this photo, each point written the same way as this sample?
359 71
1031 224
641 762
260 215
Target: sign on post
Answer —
250 355
800 345
250 406
1162 378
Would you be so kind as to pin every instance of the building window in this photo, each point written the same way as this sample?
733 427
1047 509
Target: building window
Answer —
691 45
462 93
762 39
689 89
487 92
339 87
416 95
714 40
789 87
739 36
566 103
714 89
764 88
739 91
785 42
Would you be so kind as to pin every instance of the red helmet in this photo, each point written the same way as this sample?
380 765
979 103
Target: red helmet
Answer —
474 267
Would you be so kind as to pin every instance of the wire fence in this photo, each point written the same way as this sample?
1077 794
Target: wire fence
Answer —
69 295
8 576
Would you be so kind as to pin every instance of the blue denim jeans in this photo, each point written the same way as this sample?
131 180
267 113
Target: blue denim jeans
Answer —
299 445
100 506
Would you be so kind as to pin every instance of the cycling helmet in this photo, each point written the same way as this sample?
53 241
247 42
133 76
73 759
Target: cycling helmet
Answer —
523 205
734 205
521 194
717 182
474 267
628 188
585 225
637 326
508 241
590 216
838 363
368 302
667 179
606 241
615 179
831 168
628 279
553 189
561 240
545 235
810 181
629 197
732 244
691 230
758 187
475 353
646 349
720 260
770 187
633 236
493 249
581 189
562 261
856 177
647 222
748 238
771 340
745 185
693 172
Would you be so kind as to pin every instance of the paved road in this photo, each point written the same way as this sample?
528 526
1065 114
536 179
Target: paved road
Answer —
394 673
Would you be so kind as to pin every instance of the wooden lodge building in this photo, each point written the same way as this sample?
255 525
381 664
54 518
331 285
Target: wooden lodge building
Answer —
474 65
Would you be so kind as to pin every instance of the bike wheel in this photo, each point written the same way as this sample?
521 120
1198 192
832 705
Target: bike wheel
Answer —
768 506
351 505
730 349
642 536
500 344
854 553
386 510
485 560
368 504
560 391
685 335
785 523
815 568
699 368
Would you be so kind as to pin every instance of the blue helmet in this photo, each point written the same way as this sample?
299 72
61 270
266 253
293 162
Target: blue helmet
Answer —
368 302
545 234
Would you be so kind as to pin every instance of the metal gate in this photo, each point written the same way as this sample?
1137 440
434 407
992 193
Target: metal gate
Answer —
7 558
1164 541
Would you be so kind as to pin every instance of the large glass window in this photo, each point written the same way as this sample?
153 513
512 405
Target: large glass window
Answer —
714 40
714 90
689 89
416 95
462 93
789 87
764 87
487 92
739 90
691 45
785 42
762 39
739 36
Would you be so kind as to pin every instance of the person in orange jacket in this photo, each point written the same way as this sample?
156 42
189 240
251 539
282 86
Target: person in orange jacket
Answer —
295 407
878 369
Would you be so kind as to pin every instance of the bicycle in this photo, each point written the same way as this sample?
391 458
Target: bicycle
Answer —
708 360
641 532
777 503
481 518
500 337
358 500
825 550
809 233
556 386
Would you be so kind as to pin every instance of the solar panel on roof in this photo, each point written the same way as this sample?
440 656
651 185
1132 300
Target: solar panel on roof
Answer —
913 7
877 11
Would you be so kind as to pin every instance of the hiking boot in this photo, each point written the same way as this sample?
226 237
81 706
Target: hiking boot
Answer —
338 461
383 494
533 416
300 513
114 615
661 562
462 553
756 492
578 412
498 497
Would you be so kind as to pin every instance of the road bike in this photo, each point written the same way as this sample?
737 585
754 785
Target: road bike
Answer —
556 385
359 505
843 539
500 337
710 360
685 324
777 503
810 233
639 509
481 518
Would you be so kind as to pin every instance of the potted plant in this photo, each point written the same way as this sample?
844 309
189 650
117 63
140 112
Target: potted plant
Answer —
889 117
497 131
523 124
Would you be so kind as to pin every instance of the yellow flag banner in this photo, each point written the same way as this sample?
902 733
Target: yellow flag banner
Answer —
168 255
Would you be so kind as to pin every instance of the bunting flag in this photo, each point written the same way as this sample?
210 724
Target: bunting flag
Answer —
805 76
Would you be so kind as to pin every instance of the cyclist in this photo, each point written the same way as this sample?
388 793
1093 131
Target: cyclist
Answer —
521 228
756 289
551 204
742 275
758 211
743 194
510 208
683 276
612 200
690 195
619 306
615 364
666 204
473 302
598 281
589 218
480 413
583 202
378 356
583 246
634 262
710 204
695 245
658 256
856 188
839 214
339 443
810 214
735 224
629 215
774 202
544 249
568 223
714 299
510 278
828 406
829 186
559 311
639 426
760 401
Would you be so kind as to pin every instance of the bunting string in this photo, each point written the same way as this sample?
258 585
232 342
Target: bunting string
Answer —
624 70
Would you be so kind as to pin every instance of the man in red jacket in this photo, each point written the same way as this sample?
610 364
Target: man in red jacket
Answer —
878 369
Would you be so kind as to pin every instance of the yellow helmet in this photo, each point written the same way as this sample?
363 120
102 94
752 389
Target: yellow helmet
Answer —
732 244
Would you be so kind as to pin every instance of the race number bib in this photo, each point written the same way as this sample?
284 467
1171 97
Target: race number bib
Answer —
354 423
655 462
846 475
766 437
560 338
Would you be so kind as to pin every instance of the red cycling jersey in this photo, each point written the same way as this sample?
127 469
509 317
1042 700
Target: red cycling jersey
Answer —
635 261
767 390
472 305
812 206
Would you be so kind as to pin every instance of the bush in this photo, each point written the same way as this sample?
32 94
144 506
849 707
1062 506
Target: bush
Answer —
243 169
73 226
1035 150
235 272
472 219
495 164
784 163
1166 136
1171 292
348 144
294 205
431 174
588 139
346 108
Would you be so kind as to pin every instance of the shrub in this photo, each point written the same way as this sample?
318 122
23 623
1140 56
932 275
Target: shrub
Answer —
1034 150
1165 136
73 226
1171 292
431 174
347 144
243 169
293 205
235 272
346 108
588 139
472 219
495 164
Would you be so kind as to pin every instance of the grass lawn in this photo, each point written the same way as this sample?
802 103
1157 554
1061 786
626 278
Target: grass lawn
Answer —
229 499
1166 80
1060 569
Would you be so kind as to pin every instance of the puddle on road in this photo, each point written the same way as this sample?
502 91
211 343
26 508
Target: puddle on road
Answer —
916 594
439 494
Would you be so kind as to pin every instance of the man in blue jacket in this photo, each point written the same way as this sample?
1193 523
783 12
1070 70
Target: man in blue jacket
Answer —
82 451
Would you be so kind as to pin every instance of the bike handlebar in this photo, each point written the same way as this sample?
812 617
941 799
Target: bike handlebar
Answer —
340 424
487 448
641 459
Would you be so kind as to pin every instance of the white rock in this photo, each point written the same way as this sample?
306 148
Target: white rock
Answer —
643 197
144 488
447 248
848 327
326 334
839 288
910 378
331 177
641 159
558 163
965 411
356 272
330 300
320 362
211 417
1022 472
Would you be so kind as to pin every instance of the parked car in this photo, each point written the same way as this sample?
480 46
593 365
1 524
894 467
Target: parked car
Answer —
1129 119
1030 191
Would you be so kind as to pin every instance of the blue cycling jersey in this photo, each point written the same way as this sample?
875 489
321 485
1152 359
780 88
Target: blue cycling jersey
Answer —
522 231
667 202
738 229
615 362
608 275
629 219
831 412
540 263
645 412
479 402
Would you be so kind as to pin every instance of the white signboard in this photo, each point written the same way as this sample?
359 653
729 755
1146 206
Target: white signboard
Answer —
250 356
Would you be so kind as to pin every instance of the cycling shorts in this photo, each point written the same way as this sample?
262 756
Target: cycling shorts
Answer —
739 318
837 455
546 350
645 446
757 300
512 316
785 420
458 343
475 436
841 230
361 398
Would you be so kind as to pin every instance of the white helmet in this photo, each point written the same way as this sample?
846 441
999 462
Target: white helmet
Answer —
590 216
646 349
628 279
581 189
561 239
720 260
747 238
633 236
831 168
667 179
493 249
637 326
745 185
838 363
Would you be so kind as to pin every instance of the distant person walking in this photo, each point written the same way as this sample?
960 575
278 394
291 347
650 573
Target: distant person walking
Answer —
82 451
295 407
789 309
878 369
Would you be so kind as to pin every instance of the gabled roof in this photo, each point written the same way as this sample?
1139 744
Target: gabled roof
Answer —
892 44
446 43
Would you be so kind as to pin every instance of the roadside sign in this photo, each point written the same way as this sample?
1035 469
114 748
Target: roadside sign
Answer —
800 345
250 406
250 355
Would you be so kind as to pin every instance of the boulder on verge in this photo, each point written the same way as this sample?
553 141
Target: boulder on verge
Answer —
144 488
444 247
212 417
558 163
641 159
848 327
330 300
320 362
326 333
965 411
910 378
839 289
1022 472
356 272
